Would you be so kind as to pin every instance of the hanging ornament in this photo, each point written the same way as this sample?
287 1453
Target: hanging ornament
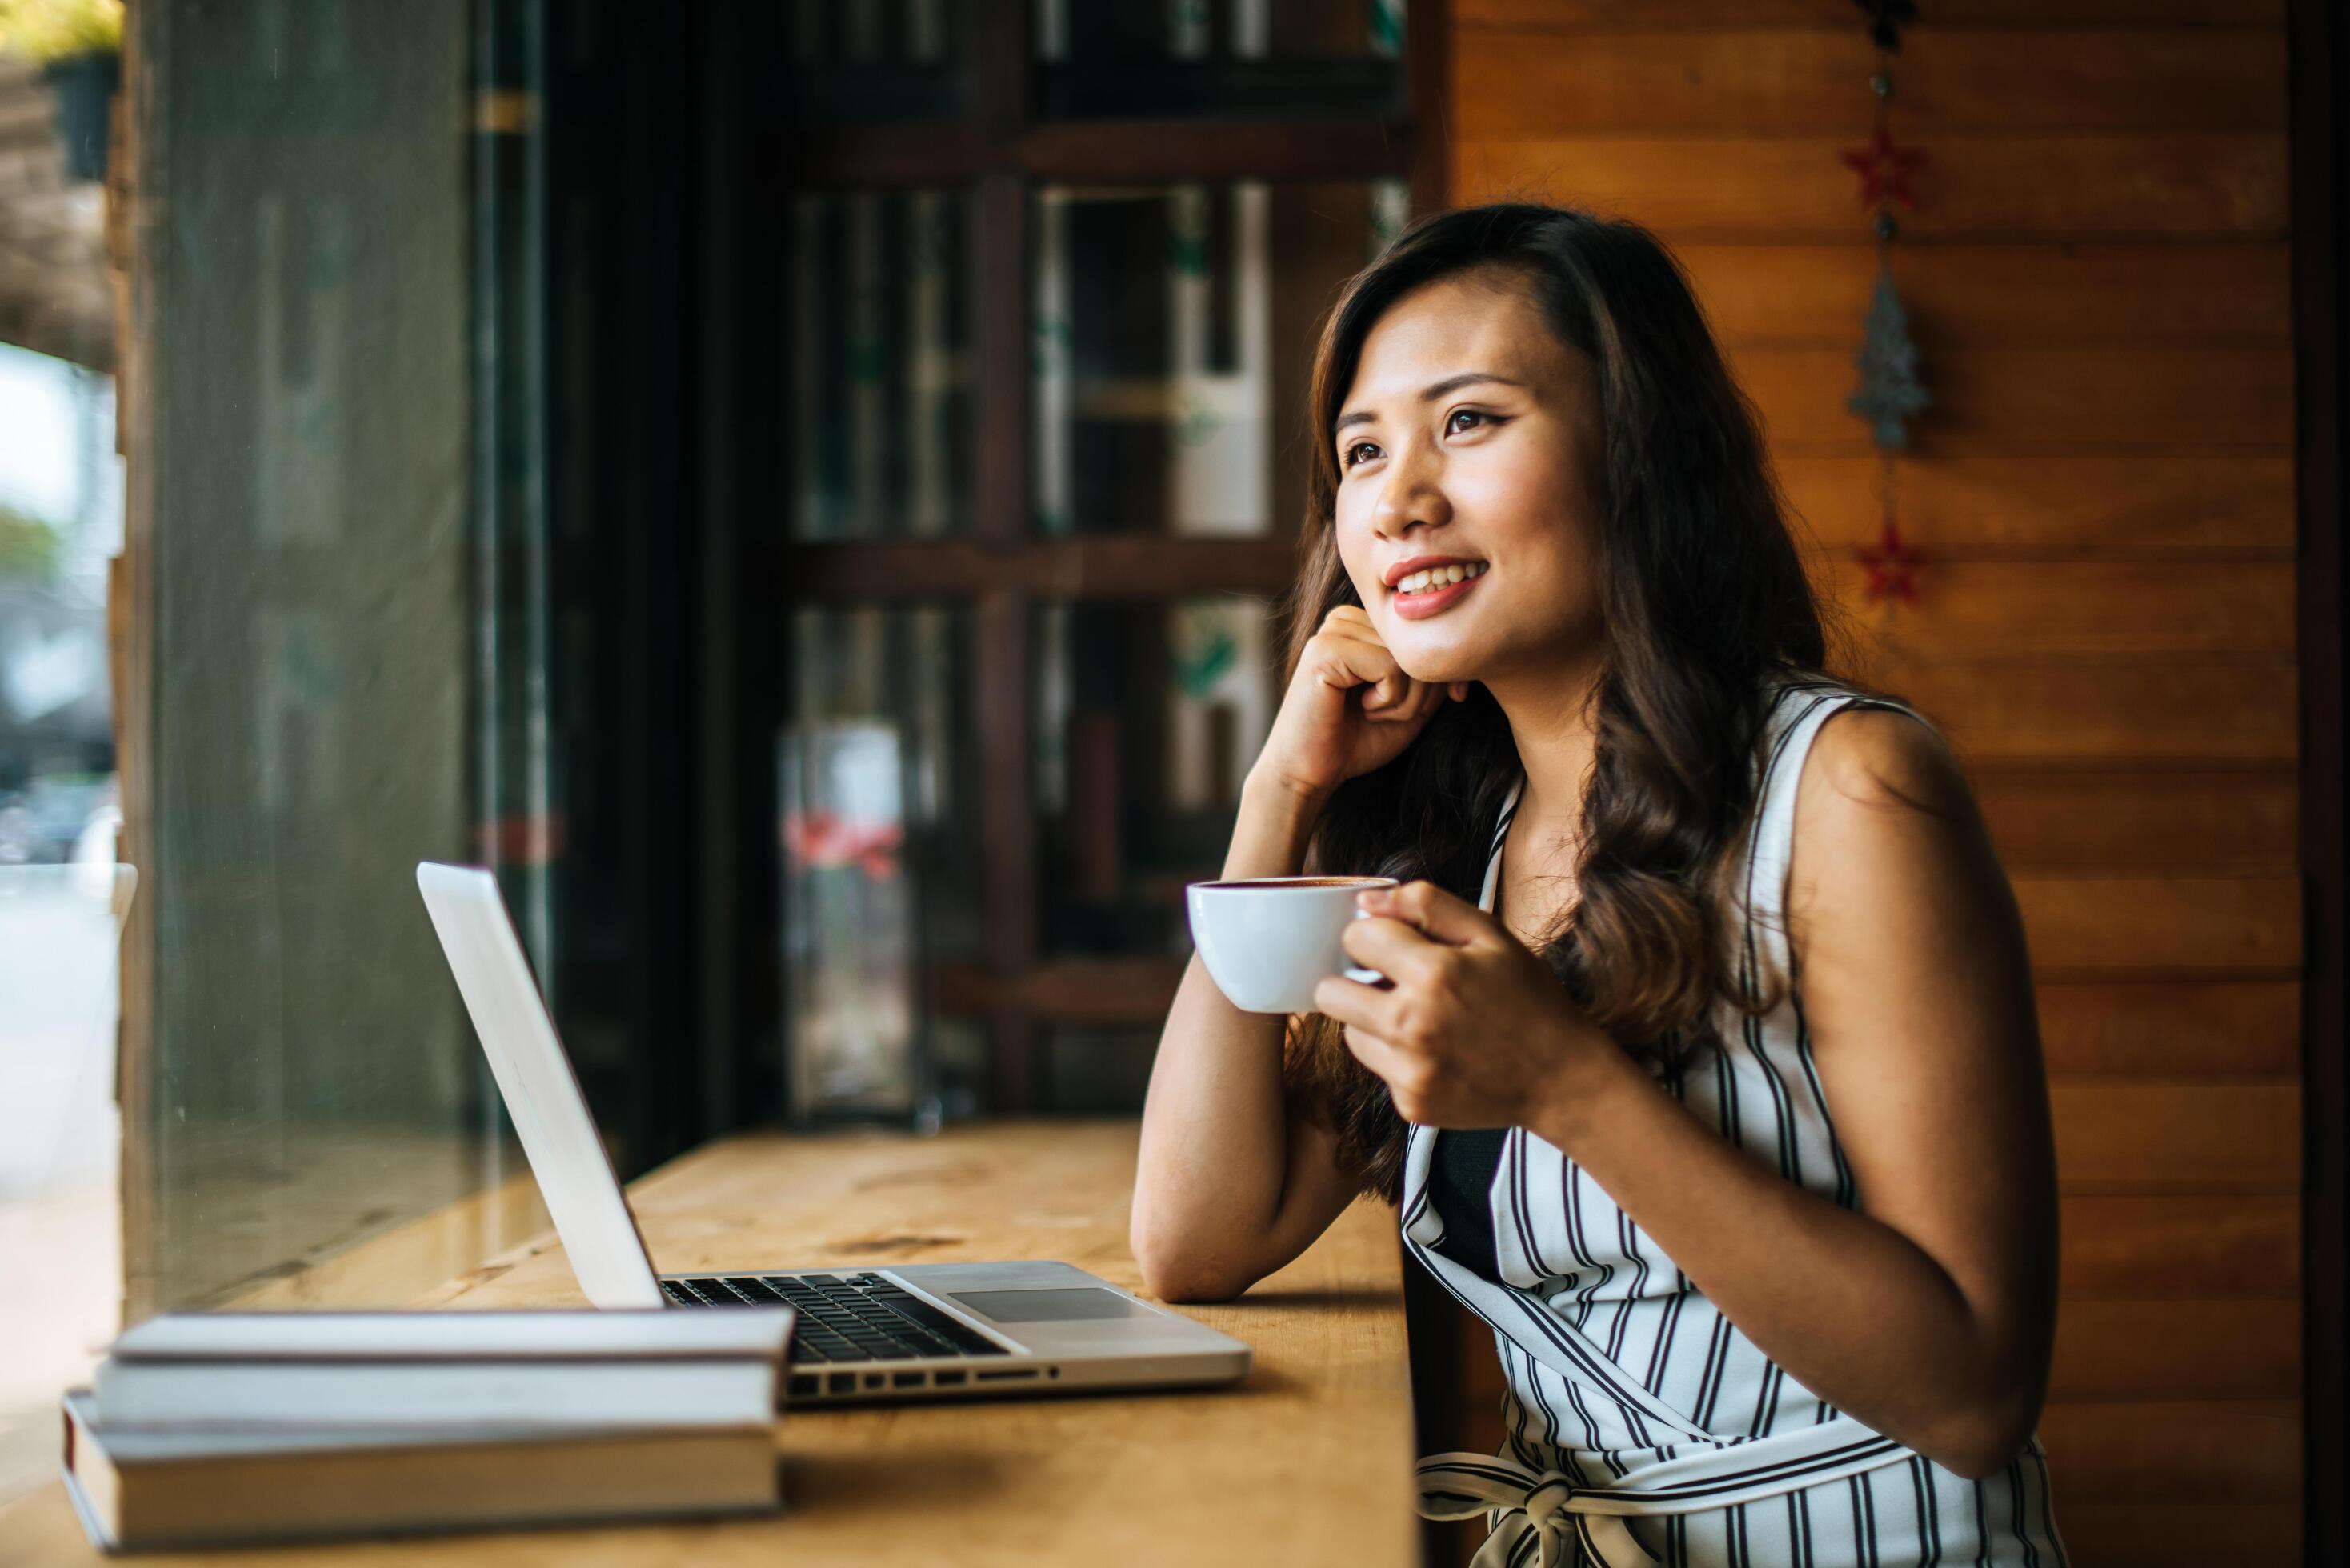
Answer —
1883 170
1889 394
1887 18
1892 566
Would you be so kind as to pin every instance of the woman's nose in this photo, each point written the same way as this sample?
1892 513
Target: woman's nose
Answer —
1412 495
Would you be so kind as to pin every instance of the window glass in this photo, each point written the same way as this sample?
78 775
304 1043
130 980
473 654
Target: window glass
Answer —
1174 333
1098 1069
880 397
1148 715
249 678
1260 58
873 60
879 827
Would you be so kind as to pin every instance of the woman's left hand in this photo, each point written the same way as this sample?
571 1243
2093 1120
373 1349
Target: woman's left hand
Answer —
1473 1031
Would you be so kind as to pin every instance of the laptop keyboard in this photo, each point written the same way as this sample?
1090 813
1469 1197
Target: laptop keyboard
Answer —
842 1318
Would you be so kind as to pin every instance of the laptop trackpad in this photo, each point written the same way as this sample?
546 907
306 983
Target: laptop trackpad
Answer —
1049 1306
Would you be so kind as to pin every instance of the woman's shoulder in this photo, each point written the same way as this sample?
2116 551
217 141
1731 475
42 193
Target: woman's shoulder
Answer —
1851 776
1831 746
1798 706
1885 755
1876 777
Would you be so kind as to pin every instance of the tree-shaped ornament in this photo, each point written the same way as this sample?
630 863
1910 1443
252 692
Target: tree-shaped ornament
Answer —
1889 394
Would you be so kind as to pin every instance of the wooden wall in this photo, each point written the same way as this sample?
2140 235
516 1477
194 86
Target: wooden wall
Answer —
2098 276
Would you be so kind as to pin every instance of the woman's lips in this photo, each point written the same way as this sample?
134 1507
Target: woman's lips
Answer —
1436 601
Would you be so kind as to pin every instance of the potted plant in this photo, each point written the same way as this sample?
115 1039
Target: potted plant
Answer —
78 44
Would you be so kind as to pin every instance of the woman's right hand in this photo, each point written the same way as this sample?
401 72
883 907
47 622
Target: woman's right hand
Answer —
1350 708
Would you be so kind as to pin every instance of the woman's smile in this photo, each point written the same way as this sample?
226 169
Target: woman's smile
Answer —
1420 596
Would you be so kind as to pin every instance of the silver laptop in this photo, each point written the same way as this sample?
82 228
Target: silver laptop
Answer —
916 1330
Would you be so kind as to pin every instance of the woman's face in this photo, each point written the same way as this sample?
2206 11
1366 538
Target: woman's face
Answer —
1471 435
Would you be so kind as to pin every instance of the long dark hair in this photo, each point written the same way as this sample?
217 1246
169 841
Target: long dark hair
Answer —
1704 598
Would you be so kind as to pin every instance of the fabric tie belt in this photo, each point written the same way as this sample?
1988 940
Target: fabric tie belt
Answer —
1521 1503
1549 1504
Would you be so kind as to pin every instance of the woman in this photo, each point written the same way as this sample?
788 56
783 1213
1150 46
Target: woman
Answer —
1706 1071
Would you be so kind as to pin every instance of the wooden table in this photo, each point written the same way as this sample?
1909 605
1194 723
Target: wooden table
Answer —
1309 1461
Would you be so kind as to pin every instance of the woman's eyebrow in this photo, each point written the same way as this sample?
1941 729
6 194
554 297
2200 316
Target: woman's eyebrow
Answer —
1450 384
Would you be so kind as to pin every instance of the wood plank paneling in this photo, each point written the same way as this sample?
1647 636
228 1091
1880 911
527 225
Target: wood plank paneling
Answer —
2192 712
1578 16
2122 1136
1786 82
2032 295
2130 1246
2177 1349
2245 824
2171 1029
2151 504
2004 609
2015 401
2102 491
1983 187
2111 925
2180 1534
2137 1450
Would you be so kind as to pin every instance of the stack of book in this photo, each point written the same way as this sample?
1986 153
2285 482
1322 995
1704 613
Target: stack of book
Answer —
216 1428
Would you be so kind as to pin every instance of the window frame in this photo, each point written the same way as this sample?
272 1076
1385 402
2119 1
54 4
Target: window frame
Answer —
1000 153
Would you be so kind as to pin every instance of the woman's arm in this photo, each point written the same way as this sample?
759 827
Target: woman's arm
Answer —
1929 1313
1230 1182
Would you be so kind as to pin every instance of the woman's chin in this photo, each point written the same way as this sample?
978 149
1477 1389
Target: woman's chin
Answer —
1433 659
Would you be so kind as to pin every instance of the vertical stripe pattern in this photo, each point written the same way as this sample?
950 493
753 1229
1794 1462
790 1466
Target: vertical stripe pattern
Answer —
1642 1426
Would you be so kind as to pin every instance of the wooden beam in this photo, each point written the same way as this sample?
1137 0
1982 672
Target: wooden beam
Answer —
1101 151
1001 664
131 634
1102 566
2319 58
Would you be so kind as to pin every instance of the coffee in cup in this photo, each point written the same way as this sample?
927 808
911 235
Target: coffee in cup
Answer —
1268 941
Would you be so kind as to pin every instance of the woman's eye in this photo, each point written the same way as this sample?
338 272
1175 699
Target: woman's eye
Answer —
1348 458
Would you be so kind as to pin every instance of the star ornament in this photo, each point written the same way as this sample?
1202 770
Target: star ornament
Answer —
1883 170
1892 568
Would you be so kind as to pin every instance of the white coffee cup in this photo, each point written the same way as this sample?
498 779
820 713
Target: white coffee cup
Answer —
1268 941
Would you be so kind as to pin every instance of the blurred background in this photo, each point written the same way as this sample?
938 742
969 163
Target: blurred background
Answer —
801 489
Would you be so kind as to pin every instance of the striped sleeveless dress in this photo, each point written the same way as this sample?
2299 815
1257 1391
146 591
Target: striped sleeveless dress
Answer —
1643 1427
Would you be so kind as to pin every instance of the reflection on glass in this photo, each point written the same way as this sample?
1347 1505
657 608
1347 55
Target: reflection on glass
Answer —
1097 1070
1148 717
879 332
878 831
874 59
1174 337
849 903
322 672
1231 58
